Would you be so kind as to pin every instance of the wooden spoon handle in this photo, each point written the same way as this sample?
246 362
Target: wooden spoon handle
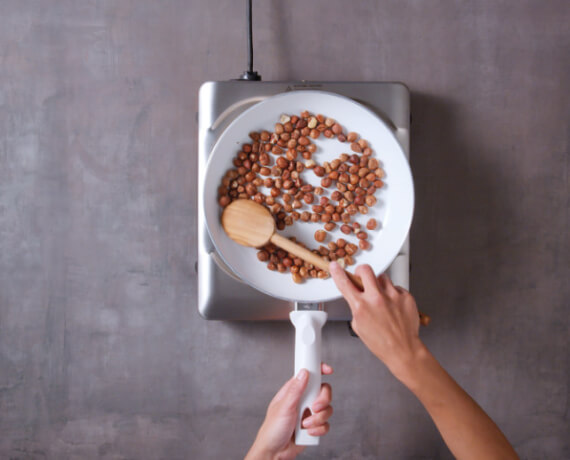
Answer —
310 257
299 251
317 261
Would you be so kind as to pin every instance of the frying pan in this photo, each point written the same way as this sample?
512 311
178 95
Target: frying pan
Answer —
393 210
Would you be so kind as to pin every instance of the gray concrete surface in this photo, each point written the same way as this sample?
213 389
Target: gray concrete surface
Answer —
102 352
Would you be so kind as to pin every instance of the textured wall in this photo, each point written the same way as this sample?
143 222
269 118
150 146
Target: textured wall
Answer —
102 351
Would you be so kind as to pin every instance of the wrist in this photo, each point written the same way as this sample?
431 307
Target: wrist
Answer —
258 452
409 370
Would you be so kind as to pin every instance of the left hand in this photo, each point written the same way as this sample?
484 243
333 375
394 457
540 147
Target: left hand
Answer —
275 437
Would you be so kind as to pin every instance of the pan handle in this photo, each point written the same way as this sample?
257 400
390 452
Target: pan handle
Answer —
308 325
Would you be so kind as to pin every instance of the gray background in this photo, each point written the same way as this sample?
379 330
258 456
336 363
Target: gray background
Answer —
102 351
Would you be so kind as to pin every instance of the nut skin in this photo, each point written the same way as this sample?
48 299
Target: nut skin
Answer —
297 278
371 224
351 248
355 147
282 162
330 226
370 200
326 182
320 235
364 244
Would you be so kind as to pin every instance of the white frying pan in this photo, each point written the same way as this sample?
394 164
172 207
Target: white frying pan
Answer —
393 211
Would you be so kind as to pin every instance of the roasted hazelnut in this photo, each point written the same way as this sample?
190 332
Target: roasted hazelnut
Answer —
319 171
297 278
320 235
329 226
363 244
326 182
370 200
351 137
355 147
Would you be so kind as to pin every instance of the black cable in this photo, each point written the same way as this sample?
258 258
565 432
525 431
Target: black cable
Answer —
249 74
249 37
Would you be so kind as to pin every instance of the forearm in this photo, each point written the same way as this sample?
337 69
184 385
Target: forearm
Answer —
465 427
256 453
259 452
259 449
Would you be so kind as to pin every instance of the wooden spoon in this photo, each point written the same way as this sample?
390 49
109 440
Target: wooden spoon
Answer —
251 224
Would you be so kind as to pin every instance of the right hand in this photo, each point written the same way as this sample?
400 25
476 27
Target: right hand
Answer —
387 320
384 316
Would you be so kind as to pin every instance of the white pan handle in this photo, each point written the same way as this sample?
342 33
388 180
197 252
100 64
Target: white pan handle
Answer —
308 325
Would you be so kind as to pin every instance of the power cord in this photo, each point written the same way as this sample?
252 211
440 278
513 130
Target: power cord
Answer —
249 74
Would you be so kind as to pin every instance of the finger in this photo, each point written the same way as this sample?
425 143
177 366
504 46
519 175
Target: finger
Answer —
390 286
295 390
326 369
343 283
401 290
318 419
281 392
382 282
386 285
286 388
319 430
369 280
323 399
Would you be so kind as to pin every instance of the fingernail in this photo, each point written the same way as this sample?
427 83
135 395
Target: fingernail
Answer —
333 265
308 422
302 374
318 407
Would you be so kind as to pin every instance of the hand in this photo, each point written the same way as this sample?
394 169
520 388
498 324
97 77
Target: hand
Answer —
275 437
386 319
384 316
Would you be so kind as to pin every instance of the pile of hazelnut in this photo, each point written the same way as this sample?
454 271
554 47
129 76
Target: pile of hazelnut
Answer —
274 161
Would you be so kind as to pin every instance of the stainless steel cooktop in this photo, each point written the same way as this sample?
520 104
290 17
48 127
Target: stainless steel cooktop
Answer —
221 294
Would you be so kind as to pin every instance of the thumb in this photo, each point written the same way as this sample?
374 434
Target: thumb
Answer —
295 390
